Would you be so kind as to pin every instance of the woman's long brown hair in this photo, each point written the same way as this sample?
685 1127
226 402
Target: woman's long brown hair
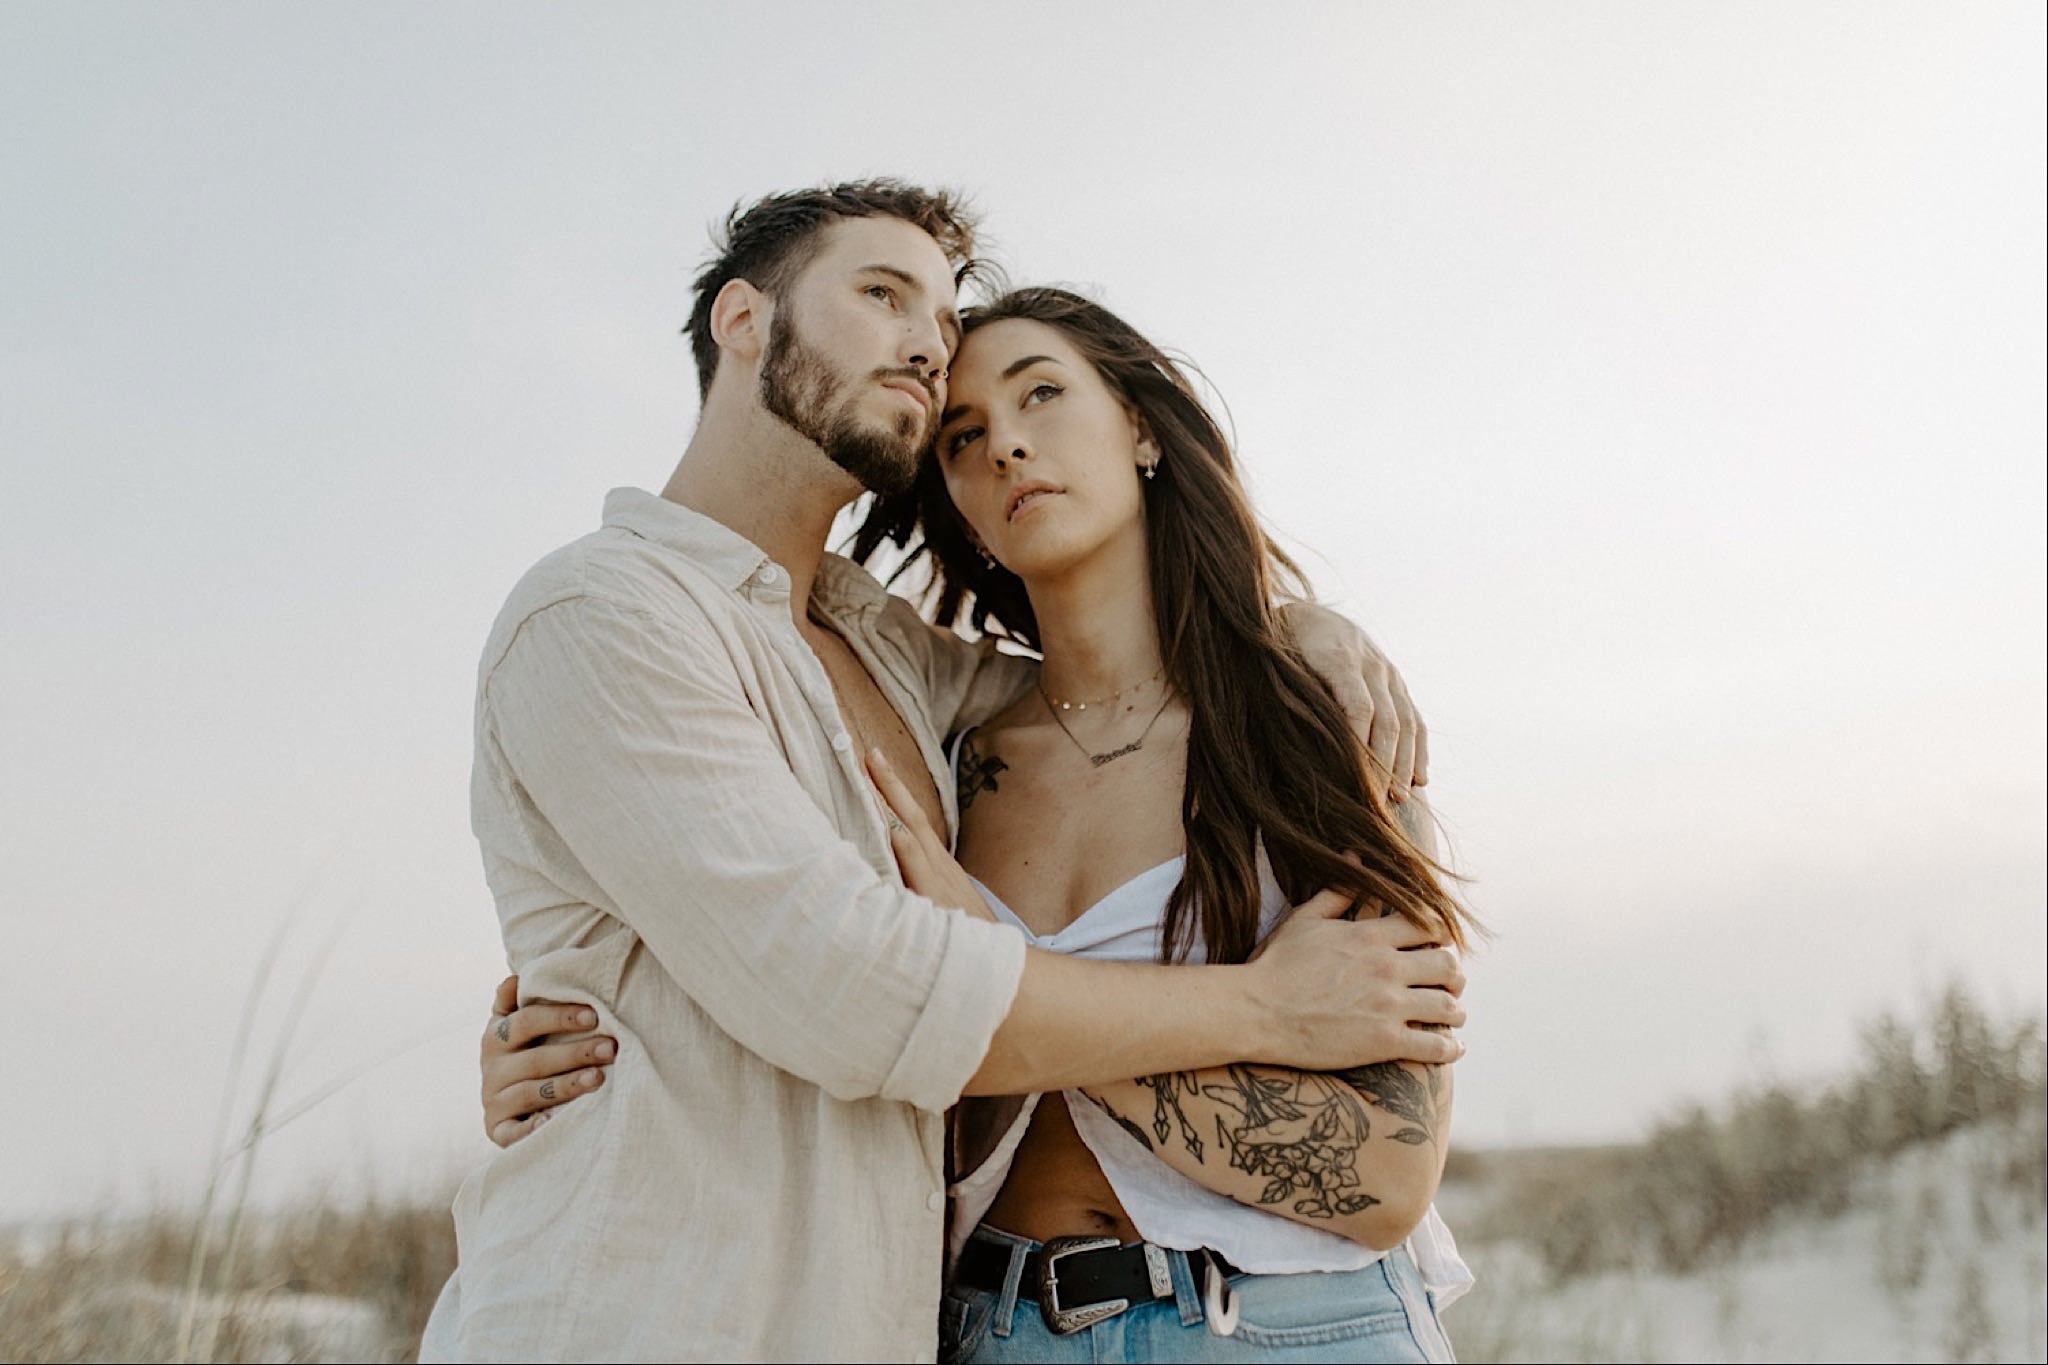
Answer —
1269 753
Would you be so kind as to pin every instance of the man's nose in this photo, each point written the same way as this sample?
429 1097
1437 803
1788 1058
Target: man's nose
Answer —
924 349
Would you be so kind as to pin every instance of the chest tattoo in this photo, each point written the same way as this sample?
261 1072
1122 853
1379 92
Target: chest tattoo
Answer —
977 773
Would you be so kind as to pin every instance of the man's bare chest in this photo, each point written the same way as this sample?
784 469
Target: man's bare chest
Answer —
872 720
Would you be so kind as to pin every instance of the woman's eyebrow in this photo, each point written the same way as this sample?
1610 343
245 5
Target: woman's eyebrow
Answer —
1019 366
1011 371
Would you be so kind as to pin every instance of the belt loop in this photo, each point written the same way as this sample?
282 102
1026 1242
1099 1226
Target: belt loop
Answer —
1013 1280
1406 1279
1187 1286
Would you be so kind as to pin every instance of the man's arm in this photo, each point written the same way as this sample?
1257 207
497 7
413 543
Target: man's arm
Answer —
633 738
644 755
1360 989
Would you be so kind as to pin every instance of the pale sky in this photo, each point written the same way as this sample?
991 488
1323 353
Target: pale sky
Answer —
1661 385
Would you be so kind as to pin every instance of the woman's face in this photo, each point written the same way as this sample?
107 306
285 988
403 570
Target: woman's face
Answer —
1040 455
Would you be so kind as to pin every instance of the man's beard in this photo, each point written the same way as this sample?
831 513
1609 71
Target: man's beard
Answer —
798 386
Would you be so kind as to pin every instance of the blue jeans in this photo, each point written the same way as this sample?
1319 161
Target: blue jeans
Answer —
1379 1314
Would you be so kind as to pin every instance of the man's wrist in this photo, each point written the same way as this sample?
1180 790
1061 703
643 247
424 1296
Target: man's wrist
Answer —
1258 1029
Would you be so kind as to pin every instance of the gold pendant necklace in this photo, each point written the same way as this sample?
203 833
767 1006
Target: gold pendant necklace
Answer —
1114 754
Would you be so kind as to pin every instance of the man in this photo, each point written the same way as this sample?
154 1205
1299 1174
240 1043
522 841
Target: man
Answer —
673 719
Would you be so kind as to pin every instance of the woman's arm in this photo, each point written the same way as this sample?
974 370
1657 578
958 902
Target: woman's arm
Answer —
1356 1152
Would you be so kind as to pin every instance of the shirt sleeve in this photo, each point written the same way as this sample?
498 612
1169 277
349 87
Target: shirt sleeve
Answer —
641 750
966 681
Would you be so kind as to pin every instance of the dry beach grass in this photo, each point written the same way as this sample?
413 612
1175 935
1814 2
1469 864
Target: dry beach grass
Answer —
1896 1213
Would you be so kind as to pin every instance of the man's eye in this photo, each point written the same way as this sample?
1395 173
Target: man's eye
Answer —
880 291
959 440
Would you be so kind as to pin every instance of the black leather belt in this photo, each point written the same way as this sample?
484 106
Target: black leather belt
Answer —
1080 1281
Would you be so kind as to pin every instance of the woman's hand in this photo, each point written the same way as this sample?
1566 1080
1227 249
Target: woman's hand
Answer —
928 866
525 1077
1370 690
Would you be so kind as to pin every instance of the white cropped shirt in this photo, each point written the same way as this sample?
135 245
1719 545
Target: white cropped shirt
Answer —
1169 1209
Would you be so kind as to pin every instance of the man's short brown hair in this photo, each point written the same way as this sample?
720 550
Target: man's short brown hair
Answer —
768 243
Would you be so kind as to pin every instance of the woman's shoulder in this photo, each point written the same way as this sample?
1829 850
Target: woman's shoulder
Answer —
1023 720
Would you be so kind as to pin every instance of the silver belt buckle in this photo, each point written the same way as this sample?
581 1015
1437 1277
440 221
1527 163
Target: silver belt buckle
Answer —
1065 1321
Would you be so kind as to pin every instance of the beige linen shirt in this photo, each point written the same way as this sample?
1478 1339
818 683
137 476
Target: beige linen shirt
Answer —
677 829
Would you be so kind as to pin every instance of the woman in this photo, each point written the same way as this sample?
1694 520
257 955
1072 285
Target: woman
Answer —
1177 780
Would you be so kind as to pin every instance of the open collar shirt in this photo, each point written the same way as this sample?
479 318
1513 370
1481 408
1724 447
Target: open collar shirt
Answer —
677 830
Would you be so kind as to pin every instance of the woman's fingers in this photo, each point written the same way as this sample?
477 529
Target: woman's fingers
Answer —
551 1061
507 998
509 1131
510 1032
522 1108
900 801
909 851
514 1071
895 795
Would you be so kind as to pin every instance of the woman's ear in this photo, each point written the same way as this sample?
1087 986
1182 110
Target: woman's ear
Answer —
1141 437
740 318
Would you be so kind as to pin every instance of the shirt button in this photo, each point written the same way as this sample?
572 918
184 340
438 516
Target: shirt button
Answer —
842 741
770 575
936 1203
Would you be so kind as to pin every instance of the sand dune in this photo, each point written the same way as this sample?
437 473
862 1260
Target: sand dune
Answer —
1936 1259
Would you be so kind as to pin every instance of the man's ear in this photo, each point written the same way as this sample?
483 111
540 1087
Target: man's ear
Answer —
740 317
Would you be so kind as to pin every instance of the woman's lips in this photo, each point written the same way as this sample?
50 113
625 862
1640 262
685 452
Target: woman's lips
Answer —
1025 496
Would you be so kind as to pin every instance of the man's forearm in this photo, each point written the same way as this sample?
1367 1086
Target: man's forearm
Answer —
1323 994
1074 1022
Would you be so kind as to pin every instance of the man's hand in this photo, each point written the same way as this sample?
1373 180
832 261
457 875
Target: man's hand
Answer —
523 1080
1370 690
1352 993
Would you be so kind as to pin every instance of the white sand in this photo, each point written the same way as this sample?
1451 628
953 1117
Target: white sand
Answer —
1919 1269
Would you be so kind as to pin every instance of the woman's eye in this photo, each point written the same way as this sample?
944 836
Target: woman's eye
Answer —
960 439
1040 392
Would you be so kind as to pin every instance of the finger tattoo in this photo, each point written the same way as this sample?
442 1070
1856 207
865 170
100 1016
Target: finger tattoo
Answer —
547 1090
503 1028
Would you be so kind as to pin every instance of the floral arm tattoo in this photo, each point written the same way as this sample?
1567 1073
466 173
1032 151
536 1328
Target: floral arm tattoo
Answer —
1303 1138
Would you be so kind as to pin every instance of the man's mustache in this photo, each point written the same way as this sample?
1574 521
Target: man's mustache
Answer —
920 378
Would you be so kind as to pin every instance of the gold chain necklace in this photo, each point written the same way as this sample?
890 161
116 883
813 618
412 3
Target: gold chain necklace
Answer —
1114 754
1056 704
